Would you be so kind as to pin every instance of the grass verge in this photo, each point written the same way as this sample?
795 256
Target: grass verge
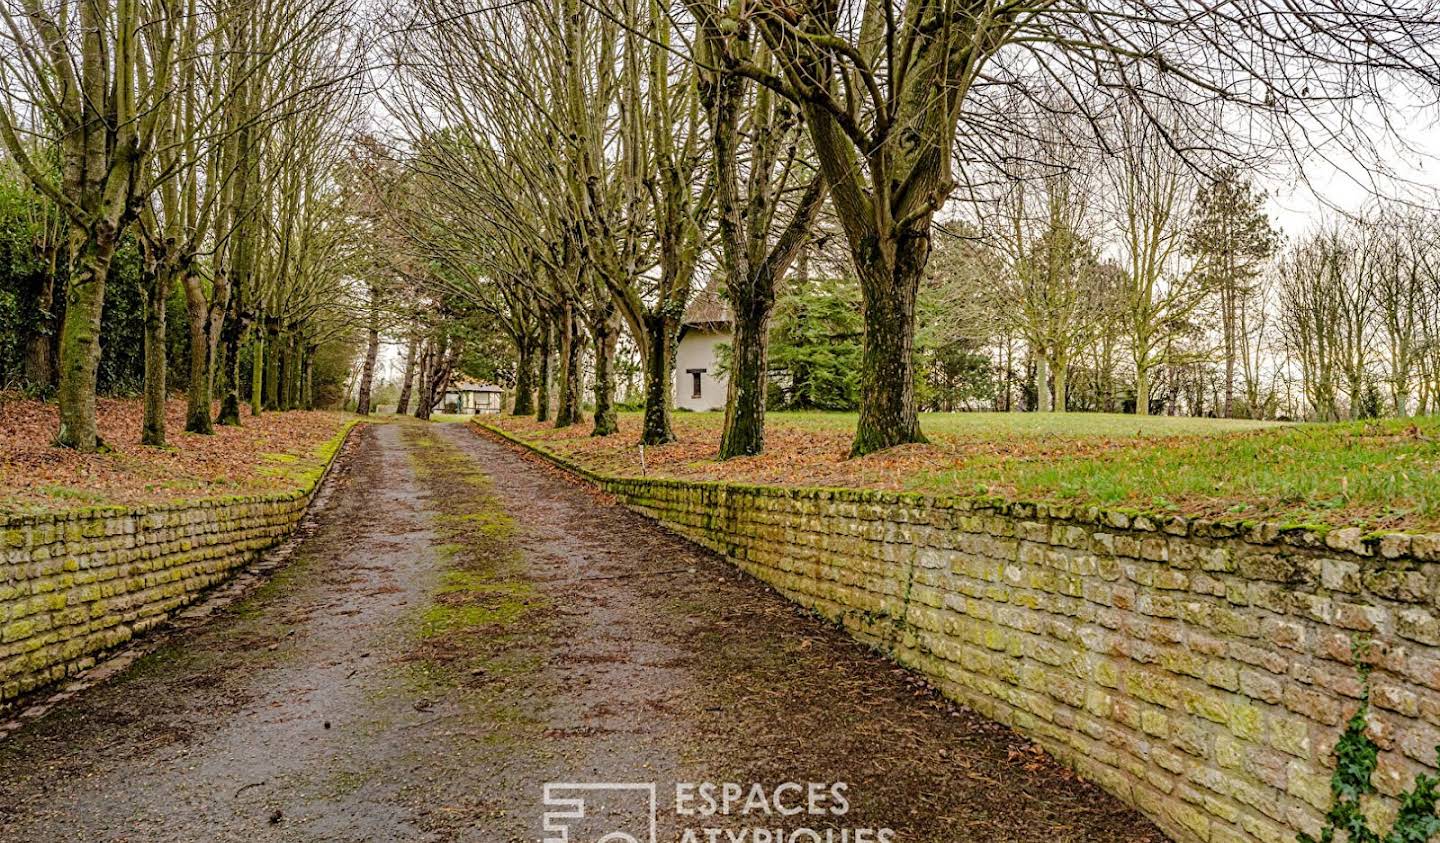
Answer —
1380 475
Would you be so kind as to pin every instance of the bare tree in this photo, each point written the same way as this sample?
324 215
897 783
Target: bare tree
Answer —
1151 188
92 78
1405 278
884 86
1054 296
754 181
1309 280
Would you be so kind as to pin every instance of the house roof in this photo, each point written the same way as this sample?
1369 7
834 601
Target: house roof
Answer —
708 307
473 386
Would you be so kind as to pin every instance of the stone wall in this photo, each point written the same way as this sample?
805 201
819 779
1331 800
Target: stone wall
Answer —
75 584
1200 671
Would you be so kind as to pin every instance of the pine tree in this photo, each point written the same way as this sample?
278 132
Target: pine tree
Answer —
1230 240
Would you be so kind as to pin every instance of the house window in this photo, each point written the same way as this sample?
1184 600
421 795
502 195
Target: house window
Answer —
695 381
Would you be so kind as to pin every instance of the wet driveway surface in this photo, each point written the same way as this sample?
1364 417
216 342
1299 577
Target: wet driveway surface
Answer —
463 625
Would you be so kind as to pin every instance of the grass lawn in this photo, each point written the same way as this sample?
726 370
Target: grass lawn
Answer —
273 453
1378 475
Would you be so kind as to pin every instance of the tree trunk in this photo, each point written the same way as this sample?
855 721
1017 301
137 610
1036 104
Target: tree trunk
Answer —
198 392
282 372
1142 390
1355 385
367 373
203 341
571 346
604 333
293 372
308 382
1228 318
744 433
37 326
427 351
525 379
157 286
1042 384
542 398
80 338
403 406
435 376
888 415
271 348
660 338
257 374
230 337
1062 375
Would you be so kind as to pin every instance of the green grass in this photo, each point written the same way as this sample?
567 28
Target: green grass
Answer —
1382 475
990 425
1378 473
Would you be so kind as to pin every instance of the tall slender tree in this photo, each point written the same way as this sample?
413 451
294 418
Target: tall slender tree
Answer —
1230 239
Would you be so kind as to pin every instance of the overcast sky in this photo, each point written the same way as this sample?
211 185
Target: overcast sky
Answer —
1335 181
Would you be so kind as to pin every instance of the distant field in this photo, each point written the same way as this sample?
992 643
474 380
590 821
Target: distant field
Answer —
1381 474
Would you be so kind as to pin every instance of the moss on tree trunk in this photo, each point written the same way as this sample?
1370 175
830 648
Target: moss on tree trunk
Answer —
567 412
744 432
80 337
271 347
890 280
157 286
660 332
542 388
604 335
202 367
367 373
524 379
230 337
403 406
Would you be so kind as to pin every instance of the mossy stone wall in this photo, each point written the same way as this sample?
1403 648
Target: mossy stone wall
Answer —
1200 671
76 584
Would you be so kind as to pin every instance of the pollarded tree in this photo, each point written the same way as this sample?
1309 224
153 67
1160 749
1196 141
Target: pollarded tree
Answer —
1406 279
503 139
660 182
292 92
1360 260
308 262
880 87
1054 293
1427 362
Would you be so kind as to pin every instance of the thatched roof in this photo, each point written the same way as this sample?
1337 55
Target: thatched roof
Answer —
472 386
708 307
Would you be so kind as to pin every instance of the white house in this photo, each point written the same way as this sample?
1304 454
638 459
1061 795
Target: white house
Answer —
469 397
707 324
